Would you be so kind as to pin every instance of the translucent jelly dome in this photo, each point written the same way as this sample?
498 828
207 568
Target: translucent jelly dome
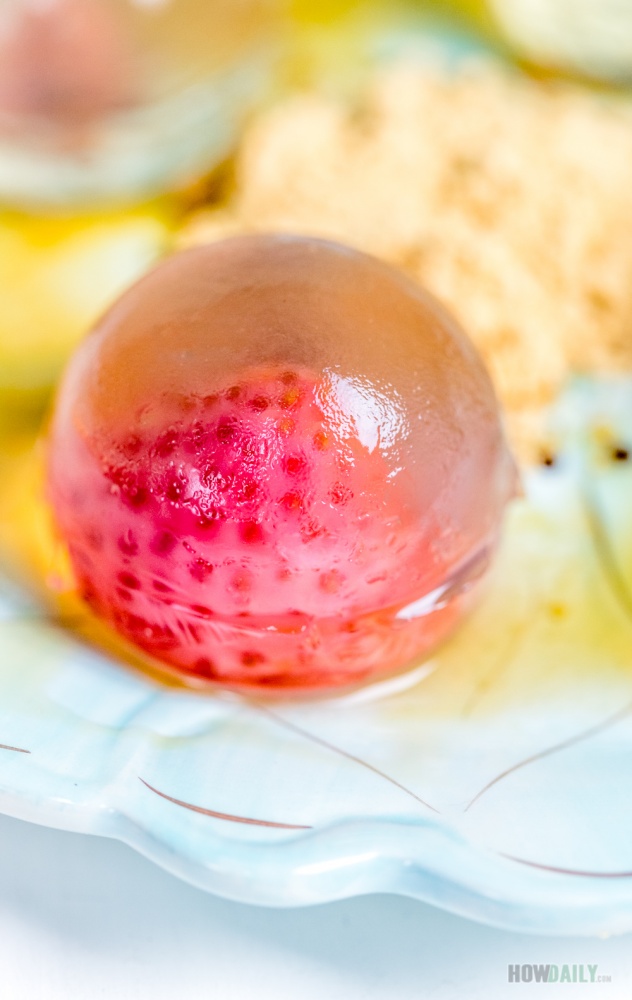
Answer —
276 461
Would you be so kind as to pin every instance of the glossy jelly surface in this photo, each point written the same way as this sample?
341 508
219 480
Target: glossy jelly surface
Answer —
277 462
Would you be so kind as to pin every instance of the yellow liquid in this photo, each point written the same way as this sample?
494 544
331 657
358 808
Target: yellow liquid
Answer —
57 275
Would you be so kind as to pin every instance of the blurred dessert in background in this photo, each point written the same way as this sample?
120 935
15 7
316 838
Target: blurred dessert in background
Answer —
118 100
63 65
104 104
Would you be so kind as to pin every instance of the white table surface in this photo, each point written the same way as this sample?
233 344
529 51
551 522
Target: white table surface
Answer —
83 918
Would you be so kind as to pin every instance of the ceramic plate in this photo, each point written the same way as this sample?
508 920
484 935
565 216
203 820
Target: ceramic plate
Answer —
493 780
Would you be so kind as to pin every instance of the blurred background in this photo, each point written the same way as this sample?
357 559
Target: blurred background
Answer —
118 118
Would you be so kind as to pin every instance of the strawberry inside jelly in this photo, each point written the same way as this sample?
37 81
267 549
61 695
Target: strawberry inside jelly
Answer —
259 508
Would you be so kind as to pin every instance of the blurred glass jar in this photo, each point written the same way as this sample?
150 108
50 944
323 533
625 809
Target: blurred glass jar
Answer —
587 37
107 101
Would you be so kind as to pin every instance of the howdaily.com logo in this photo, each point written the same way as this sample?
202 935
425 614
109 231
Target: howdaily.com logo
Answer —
555 974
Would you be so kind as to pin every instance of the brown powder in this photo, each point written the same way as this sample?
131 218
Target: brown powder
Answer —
510 199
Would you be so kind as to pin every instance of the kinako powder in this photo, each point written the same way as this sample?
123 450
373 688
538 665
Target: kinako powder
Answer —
509 198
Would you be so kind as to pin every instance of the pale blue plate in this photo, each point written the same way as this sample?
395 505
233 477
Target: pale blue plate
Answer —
493 781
